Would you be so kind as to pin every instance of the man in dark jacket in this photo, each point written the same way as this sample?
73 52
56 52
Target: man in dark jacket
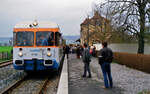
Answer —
78 51
67 51
86 59
105 59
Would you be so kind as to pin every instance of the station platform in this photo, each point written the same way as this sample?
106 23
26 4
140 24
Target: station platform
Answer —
79 85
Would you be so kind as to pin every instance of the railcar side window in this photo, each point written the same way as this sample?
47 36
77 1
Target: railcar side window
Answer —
24 38
57 38
45 38
14 38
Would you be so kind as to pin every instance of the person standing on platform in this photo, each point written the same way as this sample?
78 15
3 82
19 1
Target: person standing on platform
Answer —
81 50
105 58
91 51
70 49
64 50
78 52
86 60
94 51
67 49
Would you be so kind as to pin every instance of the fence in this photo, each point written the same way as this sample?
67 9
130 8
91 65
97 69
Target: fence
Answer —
5 56
137 61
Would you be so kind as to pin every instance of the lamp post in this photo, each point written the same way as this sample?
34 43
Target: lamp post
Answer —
95 20
88 31
96 24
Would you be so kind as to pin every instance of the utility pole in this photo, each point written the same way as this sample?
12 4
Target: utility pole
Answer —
88 31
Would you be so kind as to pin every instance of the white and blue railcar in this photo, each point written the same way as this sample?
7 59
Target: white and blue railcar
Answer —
37 46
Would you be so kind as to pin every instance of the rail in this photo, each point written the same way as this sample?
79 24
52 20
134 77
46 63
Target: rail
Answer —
5 63
42 87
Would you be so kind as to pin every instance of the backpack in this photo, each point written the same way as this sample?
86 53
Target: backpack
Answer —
109 57
87 56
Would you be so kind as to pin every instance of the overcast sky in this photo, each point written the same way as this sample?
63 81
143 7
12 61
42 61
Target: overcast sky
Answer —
67 13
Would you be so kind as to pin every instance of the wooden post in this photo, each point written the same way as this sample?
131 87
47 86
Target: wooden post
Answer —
2 55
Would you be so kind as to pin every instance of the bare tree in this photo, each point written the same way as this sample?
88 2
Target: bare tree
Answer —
133 16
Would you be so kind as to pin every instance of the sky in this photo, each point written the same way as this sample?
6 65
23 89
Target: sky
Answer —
68 14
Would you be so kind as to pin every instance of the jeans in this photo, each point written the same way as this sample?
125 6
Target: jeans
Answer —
87 68
106 69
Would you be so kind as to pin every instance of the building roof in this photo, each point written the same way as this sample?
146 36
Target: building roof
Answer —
97 15
85 22
38 24
92 20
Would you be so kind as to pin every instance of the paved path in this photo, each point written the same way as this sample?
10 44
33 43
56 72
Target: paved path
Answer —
126 80
79 85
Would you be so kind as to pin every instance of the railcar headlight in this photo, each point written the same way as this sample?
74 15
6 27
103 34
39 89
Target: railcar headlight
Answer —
35 23
49 54
20 54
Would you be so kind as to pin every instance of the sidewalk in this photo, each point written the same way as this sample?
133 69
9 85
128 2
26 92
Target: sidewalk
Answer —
79 85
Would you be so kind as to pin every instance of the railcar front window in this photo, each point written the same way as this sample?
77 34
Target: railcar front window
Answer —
24 38
44 38
14 38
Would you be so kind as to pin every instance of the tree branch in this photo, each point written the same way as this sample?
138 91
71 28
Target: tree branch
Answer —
123 1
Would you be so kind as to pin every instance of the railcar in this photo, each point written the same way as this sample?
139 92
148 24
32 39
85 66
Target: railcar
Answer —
37 46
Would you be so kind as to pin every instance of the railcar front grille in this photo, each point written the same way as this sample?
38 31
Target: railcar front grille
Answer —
48 63
19 62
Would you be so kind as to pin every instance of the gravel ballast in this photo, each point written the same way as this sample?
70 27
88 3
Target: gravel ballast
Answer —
9 75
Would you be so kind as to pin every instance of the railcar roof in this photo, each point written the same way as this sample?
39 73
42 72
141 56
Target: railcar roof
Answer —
40 24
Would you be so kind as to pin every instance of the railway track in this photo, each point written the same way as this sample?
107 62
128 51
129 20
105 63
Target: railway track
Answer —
28 84
31 85
11 87
5 63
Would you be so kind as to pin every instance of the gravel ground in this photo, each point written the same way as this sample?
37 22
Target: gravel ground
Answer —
131 81
9 75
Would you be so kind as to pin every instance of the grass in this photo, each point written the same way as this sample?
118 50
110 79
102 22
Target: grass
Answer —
6 49
144 92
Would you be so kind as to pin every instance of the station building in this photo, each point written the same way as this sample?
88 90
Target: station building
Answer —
95 29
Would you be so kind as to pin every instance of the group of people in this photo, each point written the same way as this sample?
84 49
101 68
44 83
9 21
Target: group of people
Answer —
79 51
66 50
105 58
